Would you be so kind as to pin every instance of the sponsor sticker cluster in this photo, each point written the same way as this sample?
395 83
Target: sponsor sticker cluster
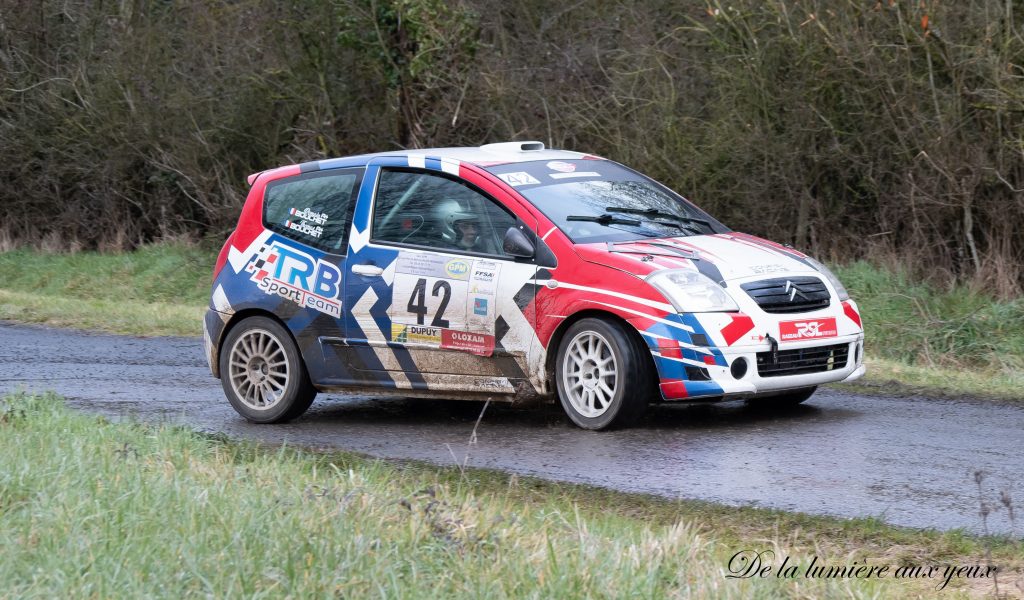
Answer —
444 301
483 287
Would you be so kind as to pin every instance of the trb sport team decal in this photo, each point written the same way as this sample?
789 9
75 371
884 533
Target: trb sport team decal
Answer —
280 270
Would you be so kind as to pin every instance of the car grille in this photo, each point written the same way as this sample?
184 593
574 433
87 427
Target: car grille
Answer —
802 360
788 294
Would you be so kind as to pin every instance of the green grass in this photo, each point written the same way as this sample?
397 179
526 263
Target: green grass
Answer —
157 290
917 324
167 273
955 341
95 509
936 341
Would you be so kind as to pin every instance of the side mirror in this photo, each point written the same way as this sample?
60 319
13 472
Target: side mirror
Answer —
517 244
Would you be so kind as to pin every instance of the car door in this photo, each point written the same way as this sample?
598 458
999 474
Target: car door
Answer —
297 270
432 291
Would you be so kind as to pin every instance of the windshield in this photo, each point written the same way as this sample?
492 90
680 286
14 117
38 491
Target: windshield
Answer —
602 201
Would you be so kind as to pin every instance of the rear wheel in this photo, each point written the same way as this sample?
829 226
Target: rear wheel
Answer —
262 372
602 376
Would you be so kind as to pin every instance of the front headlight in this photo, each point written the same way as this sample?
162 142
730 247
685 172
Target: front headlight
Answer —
690 291
840 289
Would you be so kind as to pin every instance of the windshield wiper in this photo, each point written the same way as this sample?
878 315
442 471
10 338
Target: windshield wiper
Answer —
681 225
653 212
605 219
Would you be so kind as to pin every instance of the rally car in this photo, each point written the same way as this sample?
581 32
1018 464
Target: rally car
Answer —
511 272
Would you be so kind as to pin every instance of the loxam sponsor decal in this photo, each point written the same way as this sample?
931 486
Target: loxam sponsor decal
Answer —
475 343
807 329
280 270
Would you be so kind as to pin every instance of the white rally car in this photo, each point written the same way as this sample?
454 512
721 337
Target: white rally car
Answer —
511 272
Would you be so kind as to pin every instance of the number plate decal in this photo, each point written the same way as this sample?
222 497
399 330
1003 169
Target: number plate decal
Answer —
445 301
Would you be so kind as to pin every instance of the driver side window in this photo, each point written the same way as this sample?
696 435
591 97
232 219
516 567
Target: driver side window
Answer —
423 209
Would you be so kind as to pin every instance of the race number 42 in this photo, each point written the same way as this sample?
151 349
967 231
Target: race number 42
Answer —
418 301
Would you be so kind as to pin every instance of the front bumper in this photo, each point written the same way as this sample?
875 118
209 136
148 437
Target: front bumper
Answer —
732 381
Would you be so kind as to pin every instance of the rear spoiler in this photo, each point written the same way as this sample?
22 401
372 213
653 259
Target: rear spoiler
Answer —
252 178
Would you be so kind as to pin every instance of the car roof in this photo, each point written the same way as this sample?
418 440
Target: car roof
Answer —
486 155
504 152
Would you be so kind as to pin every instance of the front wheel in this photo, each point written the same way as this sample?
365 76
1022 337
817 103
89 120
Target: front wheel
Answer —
602 376
262 372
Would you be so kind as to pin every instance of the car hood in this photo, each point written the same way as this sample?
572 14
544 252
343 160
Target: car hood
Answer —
723 257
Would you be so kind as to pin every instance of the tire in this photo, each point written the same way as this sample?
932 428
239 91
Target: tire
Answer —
262 372
602 375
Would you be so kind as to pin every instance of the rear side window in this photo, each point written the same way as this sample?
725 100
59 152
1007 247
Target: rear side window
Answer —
313 208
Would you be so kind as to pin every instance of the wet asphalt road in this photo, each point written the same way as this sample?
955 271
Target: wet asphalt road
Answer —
910 461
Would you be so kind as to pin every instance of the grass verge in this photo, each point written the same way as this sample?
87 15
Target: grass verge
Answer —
920 338
97 509
157 290
894 378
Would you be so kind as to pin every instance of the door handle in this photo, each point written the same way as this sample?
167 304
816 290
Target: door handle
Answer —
367 270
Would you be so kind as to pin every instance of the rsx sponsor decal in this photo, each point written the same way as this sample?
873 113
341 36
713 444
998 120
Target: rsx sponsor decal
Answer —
807 329
281 270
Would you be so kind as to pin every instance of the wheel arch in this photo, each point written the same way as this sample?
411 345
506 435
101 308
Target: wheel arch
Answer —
237 318
556 340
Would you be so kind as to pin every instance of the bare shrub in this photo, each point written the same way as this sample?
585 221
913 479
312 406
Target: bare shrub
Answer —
888 130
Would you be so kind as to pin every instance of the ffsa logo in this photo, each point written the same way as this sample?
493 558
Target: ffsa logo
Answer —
280 270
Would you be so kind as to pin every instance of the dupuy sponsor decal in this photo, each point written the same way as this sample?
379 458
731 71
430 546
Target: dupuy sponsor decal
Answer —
416 334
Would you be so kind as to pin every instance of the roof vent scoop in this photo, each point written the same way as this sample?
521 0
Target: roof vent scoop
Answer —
514 147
